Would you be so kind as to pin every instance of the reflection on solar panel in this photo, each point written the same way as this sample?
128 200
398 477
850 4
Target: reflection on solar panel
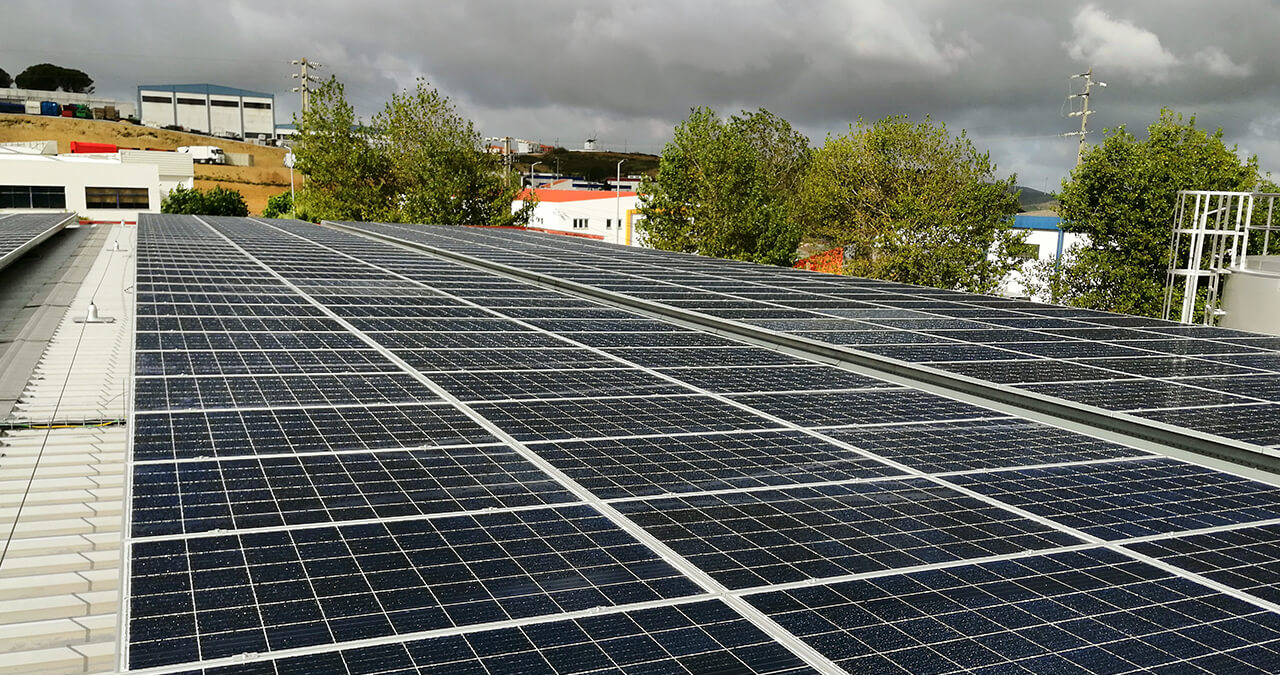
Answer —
353 457
21 232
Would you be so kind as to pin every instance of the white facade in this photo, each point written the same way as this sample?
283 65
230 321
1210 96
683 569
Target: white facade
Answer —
1046 245
595 214
93 187
209 109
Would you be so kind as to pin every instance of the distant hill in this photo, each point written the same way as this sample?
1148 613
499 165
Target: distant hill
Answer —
595 166
1032 199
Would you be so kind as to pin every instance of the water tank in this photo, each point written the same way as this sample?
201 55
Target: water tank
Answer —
1251 296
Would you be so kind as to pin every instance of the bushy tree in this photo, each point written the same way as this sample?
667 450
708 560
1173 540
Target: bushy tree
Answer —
912 203
48 77
279 206
1121 198
727 188
419 161
439 166
347 175
216 201
5 80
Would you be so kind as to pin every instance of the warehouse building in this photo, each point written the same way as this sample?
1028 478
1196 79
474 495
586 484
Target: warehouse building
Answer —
209 108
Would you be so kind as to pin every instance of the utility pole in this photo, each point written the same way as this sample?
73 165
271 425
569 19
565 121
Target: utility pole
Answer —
617 208
305 78
1084 111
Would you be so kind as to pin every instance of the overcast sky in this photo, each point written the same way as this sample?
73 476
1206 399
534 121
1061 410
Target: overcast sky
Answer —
560 71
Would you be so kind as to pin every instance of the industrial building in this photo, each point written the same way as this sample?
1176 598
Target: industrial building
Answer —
264 446
209 109
595 214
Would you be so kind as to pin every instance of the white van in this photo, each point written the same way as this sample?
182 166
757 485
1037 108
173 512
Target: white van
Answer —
205 154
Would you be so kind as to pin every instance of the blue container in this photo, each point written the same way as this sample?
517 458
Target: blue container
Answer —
50 108
6 107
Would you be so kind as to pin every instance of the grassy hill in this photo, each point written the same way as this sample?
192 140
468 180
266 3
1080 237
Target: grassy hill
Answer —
590 165
268 175
1032 199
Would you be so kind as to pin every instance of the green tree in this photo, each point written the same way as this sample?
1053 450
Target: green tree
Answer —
439 167
48 77
419 161
217 201
727 188
279 206
5 80
347 174
1121 197
912 203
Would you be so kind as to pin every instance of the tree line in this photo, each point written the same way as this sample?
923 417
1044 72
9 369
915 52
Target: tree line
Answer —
48 77
904 200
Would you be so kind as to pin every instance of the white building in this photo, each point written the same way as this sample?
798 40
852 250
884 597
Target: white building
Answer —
210 109
99 188
594 214
1045 240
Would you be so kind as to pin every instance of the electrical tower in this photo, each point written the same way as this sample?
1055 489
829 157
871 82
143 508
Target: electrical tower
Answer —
1084 111
305 78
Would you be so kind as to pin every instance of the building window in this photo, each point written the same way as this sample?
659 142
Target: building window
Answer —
608 223
579 223
225 104
32 197
257 106
156 99
117 198
191 101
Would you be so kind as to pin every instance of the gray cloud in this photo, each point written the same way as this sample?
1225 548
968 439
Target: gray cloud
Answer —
561 71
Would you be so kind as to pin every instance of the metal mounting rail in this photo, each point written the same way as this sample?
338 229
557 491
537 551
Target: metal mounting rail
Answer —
1122 424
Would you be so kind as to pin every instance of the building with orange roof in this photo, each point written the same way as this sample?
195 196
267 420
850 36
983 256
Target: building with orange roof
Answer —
595 214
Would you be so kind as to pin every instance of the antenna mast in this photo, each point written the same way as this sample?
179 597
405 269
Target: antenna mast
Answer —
1084 111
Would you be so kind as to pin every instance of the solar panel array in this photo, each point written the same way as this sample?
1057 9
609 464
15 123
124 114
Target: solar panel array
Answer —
1210 380
352 457
20 231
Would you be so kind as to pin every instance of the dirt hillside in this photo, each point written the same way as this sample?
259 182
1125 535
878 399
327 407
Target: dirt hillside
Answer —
268 175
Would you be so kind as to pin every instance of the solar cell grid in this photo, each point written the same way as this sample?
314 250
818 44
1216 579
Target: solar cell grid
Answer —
1120 500
676 357
634 467
694 638
261 362
200 496
773 378
550 358
1166 366
1085 611
1247 558
1259 423
221 595
179 393
1135 394
750 539
887 406
1026 371
546 384
313 429
586 418
938 447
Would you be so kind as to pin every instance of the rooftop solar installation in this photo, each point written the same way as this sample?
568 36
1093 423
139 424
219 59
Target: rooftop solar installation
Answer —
1147 369
21 232
355 457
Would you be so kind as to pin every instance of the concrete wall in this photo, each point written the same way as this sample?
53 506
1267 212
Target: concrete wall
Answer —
215 114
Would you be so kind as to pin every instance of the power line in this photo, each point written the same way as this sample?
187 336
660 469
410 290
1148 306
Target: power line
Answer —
304 81
1084 111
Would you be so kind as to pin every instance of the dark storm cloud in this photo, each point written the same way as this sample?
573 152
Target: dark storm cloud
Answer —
563 71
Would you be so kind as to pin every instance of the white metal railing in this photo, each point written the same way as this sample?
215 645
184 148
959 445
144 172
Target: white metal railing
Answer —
1210 236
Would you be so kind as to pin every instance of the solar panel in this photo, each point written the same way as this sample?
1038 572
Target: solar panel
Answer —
512 489
21 232
996 339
